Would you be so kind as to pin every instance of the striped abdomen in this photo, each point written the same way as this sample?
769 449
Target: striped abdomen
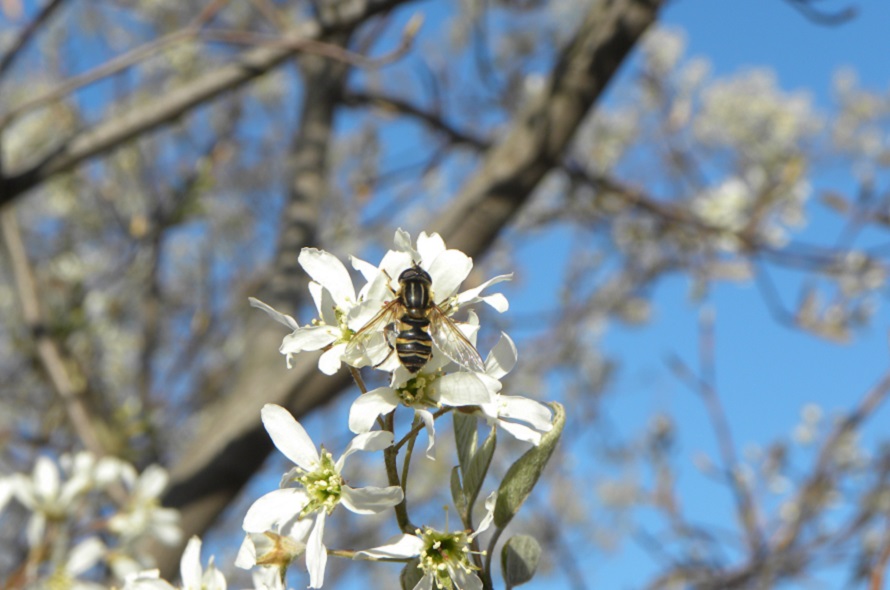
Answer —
414 346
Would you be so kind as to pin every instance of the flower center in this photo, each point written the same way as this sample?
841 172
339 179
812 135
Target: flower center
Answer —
442 554
417 391
322 486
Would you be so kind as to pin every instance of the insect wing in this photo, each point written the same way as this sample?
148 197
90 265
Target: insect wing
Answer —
372 341
451 341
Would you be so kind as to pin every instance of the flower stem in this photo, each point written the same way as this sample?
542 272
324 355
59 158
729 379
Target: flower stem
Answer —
486 569
357 377
390 454
406 463
417 427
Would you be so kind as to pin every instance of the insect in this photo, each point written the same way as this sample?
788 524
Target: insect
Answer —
412 322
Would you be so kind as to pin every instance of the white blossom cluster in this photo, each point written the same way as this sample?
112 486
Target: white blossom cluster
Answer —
288 523
61 499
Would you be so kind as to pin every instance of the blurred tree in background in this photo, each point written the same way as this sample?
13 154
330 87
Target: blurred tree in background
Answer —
163 161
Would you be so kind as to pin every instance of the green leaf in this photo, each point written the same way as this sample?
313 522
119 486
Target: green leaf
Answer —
474 474
519 559
410 575
465 436
457 494
523 475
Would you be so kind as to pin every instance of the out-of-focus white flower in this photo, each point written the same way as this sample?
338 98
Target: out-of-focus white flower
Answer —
662 49
194 577
81 559
749 113
443 557
275 549
47 496
320 487
143 514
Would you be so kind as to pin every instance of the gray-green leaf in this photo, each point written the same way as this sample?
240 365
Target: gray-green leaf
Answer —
519 560
523 475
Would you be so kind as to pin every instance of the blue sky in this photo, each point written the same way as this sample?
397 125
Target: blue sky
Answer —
765 371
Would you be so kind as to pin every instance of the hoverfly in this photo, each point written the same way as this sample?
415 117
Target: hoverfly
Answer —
412 322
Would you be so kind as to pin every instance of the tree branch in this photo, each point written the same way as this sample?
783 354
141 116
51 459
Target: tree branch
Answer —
141 119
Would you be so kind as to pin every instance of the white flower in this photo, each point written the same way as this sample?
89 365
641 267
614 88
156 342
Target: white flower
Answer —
424 392
444 557
143 514
193 576
339 314
448 268
47 496
524 418
275 548
81 559
321 487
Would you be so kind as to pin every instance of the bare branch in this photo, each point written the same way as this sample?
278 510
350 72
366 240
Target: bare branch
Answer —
118 129
26 34
47 350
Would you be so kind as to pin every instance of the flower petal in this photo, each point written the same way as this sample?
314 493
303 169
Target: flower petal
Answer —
190 564
471 296
429 423
399 547
324 303
246 557
152 482
527 410
275 507
290 438
463 579
370 500
308 338
367 407
402 241
449 270
490 503
316 552
327 270
330 360
84 555
463 389
521 432
429 246
46 479
279 317
502 358
366 441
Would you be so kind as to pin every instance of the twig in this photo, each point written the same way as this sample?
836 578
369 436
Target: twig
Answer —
313 46
745 505
47 350
26 34
809 492
114 65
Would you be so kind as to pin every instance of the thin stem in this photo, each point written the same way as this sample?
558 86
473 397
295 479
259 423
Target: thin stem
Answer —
406 462
357 377
390 455
417 428
486 569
